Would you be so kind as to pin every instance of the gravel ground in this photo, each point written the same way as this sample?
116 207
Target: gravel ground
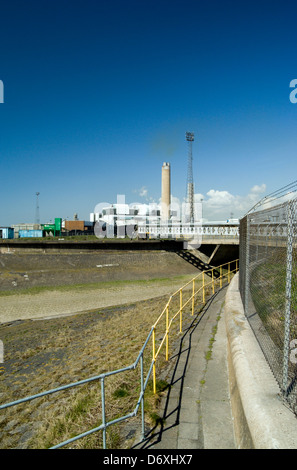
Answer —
50 304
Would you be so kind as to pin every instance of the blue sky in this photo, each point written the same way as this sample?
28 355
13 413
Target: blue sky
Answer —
97 94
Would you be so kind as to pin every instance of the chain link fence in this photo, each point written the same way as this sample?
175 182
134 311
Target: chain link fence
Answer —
268 288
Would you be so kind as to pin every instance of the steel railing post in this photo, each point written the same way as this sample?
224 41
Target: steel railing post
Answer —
193 297
142 395
103 411
167 332
154 361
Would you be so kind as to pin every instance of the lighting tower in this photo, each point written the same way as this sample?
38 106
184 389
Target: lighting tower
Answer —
37 221
190 183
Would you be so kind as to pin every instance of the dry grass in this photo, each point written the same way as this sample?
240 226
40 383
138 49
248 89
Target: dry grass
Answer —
45 354
41 355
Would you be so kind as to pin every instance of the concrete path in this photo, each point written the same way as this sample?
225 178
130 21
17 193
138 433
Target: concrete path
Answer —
196 411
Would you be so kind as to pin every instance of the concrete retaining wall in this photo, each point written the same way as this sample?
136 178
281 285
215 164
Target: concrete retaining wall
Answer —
261 420
100 245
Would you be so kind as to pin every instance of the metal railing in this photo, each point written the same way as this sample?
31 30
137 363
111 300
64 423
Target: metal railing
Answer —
197 285
100 378
216 280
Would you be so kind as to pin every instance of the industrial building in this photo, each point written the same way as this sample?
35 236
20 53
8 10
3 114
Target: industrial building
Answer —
24 227
76 227
59 227
123 219
53 229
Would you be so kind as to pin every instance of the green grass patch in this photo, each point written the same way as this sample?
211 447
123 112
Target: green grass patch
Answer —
121 392
208 354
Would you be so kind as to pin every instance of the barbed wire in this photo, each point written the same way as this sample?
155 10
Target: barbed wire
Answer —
285 191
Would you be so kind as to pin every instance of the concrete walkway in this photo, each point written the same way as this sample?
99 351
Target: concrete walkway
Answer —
228 401
196 411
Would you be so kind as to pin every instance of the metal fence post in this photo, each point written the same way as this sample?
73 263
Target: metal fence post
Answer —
288 294
257 245
247 266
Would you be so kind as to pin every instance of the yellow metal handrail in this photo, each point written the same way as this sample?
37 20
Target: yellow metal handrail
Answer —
179 292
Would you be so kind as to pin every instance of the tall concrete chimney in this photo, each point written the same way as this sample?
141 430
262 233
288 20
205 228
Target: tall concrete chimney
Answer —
165 198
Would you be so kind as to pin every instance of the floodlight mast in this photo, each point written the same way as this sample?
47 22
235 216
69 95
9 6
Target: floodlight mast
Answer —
190 183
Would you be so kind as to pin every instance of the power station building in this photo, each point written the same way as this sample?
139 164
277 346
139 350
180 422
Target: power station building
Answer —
132 216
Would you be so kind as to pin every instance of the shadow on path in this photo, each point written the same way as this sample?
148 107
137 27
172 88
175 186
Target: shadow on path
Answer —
197 262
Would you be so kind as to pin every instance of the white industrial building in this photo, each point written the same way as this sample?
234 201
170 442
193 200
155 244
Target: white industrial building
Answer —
125 218
163 219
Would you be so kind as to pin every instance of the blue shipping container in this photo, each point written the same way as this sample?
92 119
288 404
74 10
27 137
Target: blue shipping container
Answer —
6 232
30 233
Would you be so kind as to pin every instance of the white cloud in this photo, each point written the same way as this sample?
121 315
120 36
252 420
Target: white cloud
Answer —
142 192
219 205
258 189
219 198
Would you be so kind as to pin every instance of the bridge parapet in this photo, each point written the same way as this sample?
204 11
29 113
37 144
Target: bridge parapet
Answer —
221 233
